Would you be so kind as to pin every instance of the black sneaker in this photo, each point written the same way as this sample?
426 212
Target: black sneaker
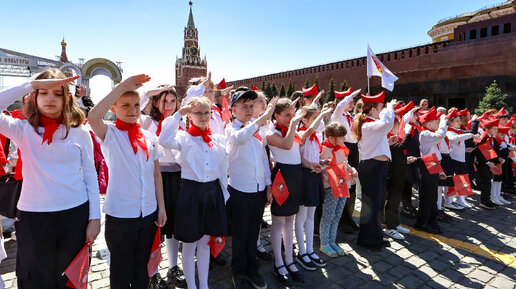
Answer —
310 266
176 277
436 227
426 228
265 256
156 282
443 217
257 281
488 205
240 282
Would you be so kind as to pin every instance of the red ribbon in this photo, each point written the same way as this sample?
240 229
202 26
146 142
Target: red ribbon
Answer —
284 131
50 125
136 137
313 137
205 134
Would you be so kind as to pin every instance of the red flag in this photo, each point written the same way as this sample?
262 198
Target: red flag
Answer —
462 185
155 256
226 114
432 164
337 176
77 271
451 191
401 129
279 189
216 244
497 170
487 151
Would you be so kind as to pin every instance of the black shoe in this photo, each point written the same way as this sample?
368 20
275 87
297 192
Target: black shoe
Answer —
220 260
488 205
156 282
285 280
310 266
176 277
296 276
436 227
265 256
386 243
369 247
443 217
408 212
265 225
317 262
426 228
240 282
257 281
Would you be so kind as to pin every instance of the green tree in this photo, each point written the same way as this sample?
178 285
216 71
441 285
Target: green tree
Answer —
268 91
263 86
291 88
330 95
344 85
493 98
274 90
317 82
282 91
307 84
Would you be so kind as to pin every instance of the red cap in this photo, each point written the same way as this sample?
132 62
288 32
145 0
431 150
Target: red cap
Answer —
374 98
463 112
502 111
428 116
490 122
341 94
452 113
222 85
406 108
503 129
398 106
254 88
310 91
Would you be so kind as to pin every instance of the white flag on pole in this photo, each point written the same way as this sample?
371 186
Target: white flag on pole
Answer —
376 68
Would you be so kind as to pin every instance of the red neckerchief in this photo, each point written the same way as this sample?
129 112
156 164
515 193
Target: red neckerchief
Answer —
284 131
205 134
256 135
335 148
17 114
369 119
136 137
457 131
498 141
158 131
217 109
445 138
414 127
313 137
50 125
512 138
349 118
483 136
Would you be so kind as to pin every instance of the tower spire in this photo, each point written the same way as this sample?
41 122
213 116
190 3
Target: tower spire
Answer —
64 57
191 23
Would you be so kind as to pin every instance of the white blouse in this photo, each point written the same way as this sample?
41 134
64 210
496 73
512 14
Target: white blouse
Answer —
310 150
374 140
457 146
428 140
57 176
131 192
339 115
198 161
288 157
249 169
167 163
216 122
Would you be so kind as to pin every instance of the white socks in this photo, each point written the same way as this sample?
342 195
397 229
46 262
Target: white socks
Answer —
203 262
305 227
440 191
172 251
282 226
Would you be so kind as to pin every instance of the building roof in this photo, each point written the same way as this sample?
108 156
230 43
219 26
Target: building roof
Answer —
469 15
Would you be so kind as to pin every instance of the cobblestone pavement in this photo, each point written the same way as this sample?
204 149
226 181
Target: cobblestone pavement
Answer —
477 250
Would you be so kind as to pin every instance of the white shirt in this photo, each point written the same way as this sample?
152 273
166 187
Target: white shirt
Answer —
216 122
131 192
198 161
249 169
428 140
310 150
288 157
169 159
339 115
457 146
374 140
58 176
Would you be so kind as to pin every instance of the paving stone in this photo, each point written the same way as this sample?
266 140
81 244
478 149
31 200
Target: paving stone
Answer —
439 282
411 281
502 282
481 275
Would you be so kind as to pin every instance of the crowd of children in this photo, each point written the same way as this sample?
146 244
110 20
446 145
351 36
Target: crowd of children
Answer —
200 167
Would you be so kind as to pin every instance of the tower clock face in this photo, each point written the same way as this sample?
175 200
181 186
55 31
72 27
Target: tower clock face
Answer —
193 51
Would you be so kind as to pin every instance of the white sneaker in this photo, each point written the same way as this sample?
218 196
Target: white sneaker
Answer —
453 206
462 203
394 234
468 204
496 201
501 199
402 229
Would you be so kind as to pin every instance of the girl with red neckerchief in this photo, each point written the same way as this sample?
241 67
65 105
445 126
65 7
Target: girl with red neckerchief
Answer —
59 206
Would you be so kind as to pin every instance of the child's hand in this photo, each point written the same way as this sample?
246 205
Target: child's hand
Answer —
50 84
411 159
295 102
134 82
316 167
185 109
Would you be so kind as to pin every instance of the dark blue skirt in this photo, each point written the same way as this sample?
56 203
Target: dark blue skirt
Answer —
312 189
448 166
171 185
293 175
200 211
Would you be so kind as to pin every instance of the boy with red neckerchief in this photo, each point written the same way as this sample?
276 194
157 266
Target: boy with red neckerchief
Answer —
134 203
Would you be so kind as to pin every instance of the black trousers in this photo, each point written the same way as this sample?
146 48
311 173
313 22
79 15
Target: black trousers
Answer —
129 241
373 179
47 242
412 180
484 177
247 211
349 207
395 187
427 212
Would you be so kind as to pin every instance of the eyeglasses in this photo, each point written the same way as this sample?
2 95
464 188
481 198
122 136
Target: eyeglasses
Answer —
202 114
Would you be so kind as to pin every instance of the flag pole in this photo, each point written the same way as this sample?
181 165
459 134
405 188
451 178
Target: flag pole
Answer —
368 87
